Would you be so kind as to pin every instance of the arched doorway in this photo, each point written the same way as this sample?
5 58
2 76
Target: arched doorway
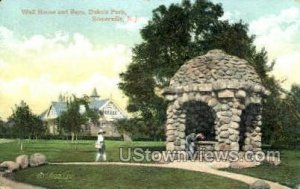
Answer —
199 118
249 127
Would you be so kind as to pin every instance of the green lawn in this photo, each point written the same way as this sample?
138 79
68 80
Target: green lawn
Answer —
287 173
64 151
113 176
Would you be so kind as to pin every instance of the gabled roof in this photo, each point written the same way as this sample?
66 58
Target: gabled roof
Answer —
59 107
43 115
98 104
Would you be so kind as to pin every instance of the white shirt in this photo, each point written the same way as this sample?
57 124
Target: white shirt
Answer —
100 138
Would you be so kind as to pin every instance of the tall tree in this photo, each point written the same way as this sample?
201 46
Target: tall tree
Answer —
290 120
174 35
26 124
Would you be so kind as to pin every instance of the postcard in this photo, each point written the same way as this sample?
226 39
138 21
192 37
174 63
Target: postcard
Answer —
149 94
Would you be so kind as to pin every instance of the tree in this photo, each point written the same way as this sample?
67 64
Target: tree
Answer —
291 112
173 36
169 39
74 117
71 120
3 130
38 128
26 124
160 56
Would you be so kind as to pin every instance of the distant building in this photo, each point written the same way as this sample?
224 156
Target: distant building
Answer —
111 112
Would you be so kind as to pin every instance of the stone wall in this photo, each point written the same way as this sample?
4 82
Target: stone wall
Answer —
216 93
217 111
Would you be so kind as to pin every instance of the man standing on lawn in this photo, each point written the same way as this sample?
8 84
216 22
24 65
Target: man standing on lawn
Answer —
100 145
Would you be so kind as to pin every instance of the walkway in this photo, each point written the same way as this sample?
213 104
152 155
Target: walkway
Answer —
5 140
191 166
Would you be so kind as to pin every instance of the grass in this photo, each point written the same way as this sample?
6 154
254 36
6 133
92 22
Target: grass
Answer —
113 176
287 173
64 151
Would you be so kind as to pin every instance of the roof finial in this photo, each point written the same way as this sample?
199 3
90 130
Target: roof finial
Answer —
61 98
95 93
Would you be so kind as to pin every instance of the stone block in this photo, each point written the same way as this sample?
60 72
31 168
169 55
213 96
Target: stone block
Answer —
259 184
223 147
212 102
257 88
226 94
233 137
181 127
205 87
257 138
37 159
170 127
170 132
247 141
258 129
234 146
170 138
224 134
181 134
227 113
10 166
170 97
236 118
224 127
225 107
247 147
240 94
170 146
234 125
23 161
233 131
236 112
225 120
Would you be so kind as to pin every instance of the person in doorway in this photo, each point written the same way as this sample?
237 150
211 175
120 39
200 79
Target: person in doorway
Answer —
100 145
190 143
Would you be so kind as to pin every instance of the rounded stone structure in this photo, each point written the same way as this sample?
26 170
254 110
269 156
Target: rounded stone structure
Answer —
219 95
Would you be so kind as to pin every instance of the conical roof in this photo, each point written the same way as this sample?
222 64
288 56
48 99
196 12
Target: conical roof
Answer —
214 71
94 93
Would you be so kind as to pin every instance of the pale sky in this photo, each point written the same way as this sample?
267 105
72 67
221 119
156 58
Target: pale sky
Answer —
44 55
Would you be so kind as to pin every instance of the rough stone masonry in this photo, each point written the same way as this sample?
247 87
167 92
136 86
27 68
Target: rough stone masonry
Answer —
219 95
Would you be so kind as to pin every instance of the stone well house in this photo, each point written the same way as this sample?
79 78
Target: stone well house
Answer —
110 110
219 95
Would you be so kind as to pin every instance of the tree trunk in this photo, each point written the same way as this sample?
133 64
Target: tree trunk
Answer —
73 136
21 145
76 141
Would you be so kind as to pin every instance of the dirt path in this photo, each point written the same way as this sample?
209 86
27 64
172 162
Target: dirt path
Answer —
5 140
191 166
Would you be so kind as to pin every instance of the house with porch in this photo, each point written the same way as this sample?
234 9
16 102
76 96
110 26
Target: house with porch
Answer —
109 110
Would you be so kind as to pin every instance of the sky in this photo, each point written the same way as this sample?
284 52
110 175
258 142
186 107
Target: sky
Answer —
48 47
